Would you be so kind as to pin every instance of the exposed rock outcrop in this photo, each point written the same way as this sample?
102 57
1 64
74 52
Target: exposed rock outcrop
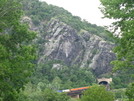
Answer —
72 47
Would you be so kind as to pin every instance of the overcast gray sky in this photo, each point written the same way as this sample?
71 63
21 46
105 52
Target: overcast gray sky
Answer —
86 9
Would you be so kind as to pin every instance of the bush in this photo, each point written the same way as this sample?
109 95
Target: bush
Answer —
97 93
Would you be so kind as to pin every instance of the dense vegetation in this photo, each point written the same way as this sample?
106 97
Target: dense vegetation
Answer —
122 11
17 54
42 12
121 79
97 93
34 94
63 77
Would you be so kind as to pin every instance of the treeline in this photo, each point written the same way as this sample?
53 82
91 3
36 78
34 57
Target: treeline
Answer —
42 12
47 79
120 79
61 77
34 93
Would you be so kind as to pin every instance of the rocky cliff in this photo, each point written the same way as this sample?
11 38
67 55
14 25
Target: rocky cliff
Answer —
61 42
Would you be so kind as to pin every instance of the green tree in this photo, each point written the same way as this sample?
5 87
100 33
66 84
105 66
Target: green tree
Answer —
9 13
122 30
50 95
120 93
16 54
97 93
130 92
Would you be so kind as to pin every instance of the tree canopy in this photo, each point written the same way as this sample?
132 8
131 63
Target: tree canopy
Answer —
50 95
97 93
41 11
130 92
16 54
122 30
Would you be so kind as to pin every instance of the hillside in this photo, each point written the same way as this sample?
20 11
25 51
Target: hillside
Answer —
71 51
42 12
48 54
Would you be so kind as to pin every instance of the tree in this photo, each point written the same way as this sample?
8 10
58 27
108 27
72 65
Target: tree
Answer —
16 52
120 93
9 12
122 30
122 11
97 93
50 95
130 92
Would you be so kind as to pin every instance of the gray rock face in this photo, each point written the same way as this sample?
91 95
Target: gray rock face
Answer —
64 43
76 48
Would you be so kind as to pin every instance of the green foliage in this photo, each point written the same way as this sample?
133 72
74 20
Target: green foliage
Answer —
50 95
122 11
130 92
10 13
97 93
63 77
15 56
123 78
42 12
32 93
73 99
120 93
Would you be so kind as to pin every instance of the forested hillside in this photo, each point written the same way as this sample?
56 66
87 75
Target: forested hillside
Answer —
70 53
55 72
69 76
41 11
43 14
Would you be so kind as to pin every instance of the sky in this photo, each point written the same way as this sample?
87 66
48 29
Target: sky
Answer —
86 9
